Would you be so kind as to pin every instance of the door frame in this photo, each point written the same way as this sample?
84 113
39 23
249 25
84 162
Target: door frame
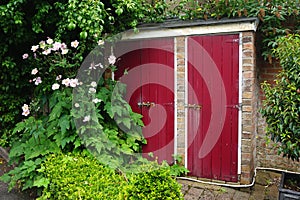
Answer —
239 153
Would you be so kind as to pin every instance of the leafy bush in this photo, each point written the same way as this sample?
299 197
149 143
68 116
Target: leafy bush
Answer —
281 108
153 184
82 177
78 177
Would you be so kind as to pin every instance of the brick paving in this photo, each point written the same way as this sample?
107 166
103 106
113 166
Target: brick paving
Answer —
265 188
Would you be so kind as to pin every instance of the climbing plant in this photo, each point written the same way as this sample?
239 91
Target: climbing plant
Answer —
281 107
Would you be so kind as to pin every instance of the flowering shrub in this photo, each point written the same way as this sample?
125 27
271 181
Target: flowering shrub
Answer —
51 114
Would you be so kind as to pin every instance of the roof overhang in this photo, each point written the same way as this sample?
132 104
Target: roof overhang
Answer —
174 28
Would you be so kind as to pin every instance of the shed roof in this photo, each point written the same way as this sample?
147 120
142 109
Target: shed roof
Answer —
176 27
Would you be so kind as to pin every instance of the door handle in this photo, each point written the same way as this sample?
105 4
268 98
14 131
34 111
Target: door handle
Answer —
194 106
146 104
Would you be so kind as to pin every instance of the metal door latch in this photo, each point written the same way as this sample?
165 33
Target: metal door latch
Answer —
194 106
147 104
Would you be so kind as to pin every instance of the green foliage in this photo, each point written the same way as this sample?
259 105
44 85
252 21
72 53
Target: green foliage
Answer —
87 16
153 184
178 168
24 22
281 108
277 18
82 177
78 177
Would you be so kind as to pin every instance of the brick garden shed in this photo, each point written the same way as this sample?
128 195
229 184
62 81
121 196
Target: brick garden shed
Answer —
197 86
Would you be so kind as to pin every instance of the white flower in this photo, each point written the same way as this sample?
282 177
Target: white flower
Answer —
92 90
34 48
55 86
56 46
34 71
25 107
26 112
86 118
76 105
63 46
37 80
99 65
46 52
93 84
96 100
100 42
42 44
74 44
74 82
112 59
25 56
92 66
49 41
58 77
66 82
64 51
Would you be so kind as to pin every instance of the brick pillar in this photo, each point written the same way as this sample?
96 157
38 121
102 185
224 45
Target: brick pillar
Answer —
180 59
249 109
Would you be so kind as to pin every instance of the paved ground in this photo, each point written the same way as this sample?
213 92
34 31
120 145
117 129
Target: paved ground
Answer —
265 188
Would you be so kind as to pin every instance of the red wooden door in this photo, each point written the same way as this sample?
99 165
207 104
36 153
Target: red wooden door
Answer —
150 91
213 78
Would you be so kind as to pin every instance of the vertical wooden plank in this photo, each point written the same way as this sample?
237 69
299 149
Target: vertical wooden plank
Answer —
217 56
235 83
207 160
226 134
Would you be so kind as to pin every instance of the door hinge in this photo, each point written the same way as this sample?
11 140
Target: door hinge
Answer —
237 40
236 106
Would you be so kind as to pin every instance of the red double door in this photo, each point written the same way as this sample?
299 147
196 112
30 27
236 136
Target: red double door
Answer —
211 103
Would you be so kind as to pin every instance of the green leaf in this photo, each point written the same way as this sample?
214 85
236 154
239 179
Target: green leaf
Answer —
41 182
